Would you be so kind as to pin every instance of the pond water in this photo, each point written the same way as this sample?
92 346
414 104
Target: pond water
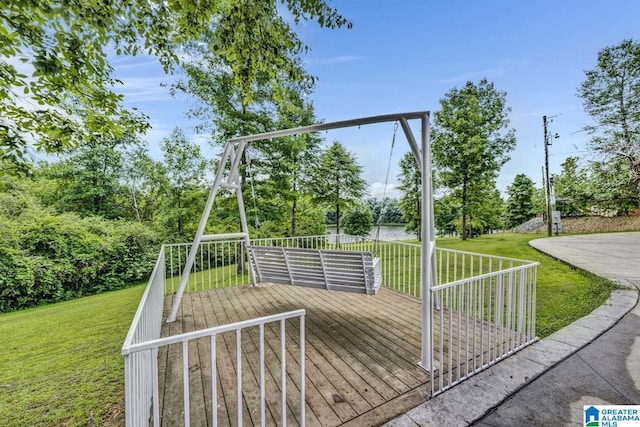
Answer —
387 232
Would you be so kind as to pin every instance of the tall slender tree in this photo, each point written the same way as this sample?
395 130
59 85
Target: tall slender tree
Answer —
611 187
286 161
471 139
146 180
611 96
411 199
571 188
185 171
336 182
520 202
486 208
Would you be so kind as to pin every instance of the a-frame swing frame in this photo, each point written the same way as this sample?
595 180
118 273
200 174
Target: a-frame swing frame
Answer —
227 176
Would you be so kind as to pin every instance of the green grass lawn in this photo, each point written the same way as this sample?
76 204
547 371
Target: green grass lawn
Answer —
564 294
61 363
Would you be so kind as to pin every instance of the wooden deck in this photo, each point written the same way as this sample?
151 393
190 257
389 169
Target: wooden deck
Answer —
361 355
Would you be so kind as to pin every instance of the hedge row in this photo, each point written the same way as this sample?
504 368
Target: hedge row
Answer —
46 257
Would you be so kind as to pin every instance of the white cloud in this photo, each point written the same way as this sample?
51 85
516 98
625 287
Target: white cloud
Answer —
128 64
334 60
377 190
143 89
489 73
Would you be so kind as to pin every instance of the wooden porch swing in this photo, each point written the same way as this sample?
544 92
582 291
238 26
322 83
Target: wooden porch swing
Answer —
336 270
339 270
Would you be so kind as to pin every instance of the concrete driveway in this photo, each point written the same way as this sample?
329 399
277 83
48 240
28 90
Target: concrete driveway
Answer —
606 370
615 256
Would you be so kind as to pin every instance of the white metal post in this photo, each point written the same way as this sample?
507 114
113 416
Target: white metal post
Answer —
196 240
428 246
243 222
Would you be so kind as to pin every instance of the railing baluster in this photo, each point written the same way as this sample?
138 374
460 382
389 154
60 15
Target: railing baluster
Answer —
239 374
214 382
215 259
229 264
283 373
441 373
302 372
262 393
185 382
209 265
154 376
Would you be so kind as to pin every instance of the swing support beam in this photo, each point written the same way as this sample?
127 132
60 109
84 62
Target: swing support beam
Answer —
227 176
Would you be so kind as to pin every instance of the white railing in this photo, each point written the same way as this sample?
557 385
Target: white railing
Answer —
138 366
144 411
218 264
484 306
482 319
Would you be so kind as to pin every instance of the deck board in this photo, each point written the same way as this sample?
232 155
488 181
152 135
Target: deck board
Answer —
361 356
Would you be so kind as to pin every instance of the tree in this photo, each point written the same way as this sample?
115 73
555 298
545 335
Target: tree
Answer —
446 211
391 213
62 47
411 199
471 139
287 160
278 102
611 96
358 221
310 219
571 189
146 182
539 200
611 187
520 201
336 181
185 172
385 211
486 209
88 178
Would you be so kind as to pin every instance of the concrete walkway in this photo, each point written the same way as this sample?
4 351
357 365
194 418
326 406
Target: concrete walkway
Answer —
595 360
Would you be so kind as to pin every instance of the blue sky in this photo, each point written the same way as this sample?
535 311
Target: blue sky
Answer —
404 56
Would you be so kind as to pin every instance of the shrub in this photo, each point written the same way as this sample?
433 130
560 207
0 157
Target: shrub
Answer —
49 258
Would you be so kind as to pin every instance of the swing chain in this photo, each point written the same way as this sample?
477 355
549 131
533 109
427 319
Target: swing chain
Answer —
384 189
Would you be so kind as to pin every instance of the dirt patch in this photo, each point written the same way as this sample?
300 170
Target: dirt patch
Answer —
115 416
598 224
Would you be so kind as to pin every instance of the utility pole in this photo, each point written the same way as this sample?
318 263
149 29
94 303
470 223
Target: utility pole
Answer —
546 168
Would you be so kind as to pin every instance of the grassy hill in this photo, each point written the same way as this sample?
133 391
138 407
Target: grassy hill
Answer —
61 363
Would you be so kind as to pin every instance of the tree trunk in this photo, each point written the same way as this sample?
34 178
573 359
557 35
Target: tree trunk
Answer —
179 217
240 268
337 211
294 210
135 203
419 220
464 210
240 264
